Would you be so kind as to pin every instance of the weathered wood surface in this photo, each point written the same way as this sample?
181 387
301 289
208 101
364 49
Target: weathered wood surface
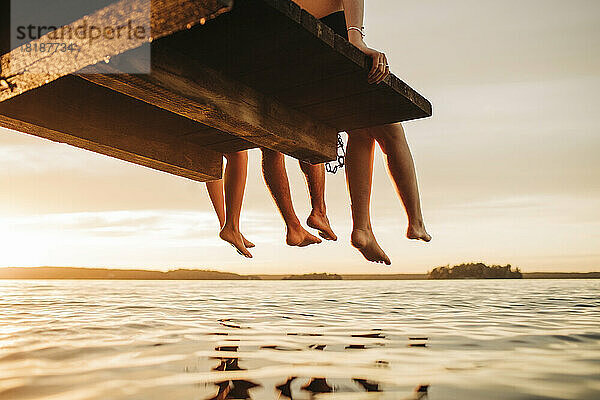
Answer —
280 51
265 73
22 71
112 124
283 51
188 88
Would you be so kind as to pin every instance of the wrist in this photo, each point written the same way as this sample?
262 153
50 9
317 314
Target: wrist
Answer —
356 38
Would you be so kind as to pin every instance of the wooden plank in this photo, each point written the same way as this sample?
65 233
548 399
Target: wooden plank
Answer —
218 141
188 88
282 51
224 145
23 71
112 124
266 72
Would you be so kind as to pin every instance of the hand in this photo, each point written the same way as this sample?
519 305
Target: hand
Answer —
380 69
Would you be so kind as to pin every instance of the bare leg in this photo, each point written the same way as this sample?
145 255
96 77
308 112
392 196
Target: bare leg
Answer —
235 175
392 140
315 179
227 201
359 175
215 192
273 165
217 198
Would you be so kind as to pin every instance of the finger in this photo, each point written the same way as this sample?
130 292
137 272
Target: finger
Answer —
375 68
387 68
380 70
383 71
384 68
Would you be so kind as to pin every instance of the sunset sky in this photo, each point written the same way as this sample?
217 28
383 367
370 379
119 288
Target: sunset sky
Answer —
508 165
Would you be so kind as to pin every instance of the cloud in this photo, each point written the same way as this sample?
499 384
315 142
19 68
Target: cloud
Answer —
508 164
115 223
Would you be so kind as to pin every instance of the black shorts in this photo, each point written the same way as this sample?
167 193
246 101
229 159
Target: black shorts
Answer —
337 22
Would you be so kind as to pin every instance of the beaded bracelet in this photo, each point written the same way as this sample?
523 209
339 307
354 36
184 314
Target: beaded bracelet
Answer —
359 30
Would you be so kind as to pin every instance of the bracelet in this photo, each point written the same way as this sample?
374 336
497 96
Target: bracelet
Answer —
359 30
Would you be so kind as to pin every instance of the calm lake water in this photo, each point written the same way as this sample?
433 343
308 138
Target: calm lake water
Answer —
525 339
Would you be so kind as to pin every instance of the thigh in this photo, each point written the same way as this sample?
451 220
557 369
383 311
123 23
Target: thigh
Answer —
389 136
320 8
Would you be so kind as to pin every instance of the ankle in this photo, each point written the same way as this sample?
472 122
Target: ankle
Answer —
230 227
360 237
416 223
293 226
318 212
365 228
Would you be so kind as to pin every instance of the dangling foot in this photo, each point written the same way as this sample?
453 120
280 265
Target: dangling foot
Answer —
234 237
298 236
320 222
248 244
365 242
418 232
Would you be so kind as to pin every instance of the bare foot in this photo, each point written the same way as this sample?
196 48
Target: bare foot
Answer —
300 237
365 242
418 232
320 222
248 244
235 238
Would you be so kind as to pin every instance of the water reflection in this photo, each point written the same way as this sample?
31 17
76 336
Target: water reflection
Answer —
385 340
293 387
232 389
317 385
286 388
369 386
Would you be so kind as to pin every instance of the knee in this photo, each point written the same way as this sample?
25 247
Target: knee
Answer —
390 132
238 156
389 135
272 159
360 137
308 168
270 154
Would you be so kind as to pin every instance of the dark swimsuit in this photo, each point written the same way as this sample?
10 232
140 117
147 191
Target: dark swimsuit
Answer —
337 22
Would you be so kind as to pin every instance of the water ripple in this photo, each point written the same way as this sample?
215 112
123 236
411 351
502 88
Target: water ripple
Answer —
264 340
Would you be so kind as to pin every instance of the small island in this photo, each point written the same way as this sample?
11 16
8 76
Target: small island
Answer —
475 271
463 271
313 277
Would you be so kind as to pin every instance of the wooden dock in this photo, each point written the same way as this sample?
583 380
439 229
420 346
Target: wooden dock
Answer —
225 76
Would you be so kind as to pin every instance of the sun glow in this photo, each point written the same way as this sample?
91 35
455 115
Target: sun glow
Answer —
19 245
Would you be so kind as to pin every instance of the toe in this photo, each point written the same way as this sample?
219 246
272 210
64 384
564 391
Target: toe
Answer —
245 252
328 235
324 235
248 244
310 239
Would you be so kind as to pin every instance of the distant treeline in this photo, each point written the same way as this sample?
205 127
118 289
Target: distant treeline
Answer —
464 271
106 273
475 271
313 277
